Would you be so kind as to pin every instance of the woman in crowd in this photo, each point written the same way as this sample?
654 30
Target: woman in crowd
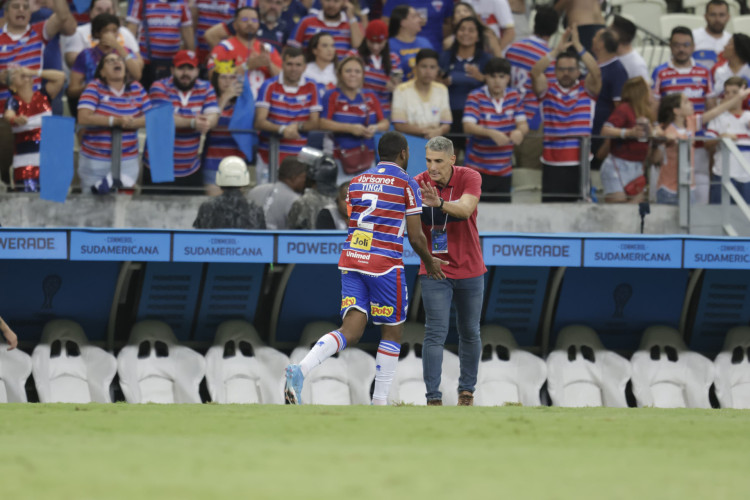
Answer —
219 141
104 28
404 26
354 117
24 110
461 66
629 128
462 10
735 59
106 102
321 60
382 67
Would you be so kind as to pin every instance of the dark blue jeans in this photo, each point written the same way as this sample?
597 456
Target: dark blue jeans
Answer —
437 296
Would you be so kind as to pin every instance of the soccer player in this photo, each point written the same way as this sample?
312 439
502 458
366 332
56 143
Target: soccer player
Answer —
384 201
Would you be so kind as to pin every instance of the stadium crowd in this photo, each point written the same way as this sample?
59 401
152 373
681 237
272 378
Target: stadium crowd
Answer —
475 70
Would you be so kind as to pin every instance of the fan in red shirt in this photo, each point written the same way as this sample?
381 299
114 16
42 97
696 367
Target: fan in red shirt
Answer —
450 196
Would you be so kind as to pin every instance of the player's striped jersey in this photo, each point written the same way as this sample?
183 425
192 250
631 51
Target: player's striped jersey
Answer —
363 110
694 82
99 98
23 50
376 79
380 199
211 12
201 99
27 136
523 55
313 24
482 153
566 113
287 106
164 22
220 143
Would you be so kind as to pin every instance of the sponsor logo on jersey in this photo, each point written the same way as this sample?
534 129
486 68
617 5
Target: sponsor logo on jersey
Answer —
377 310
367 179
348 302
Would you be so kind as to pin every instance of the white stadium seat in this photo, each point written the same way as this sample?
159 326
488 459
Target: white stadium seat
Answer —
240 368
67 369
670 21
740 24
343 379
654 55
154 368
507 374
408 384
667 375
581 372
15 368
733 370
645 13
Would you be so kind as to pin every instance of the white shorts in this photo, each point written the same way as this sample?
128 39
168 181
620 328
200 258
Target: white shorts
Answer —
628 171
91 172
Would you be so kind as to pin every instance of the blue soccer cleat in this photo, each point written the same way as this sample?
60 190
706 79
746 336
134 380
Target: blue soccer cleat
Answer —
293 387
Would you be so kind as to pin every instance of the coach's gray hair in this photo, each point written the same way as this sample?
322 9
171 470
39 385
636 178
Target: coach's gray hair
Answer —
440 144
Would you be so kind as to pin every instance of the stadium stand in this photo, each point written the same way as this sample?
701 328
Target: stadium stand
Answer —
68 369
667 375
733 370
647 13
240 368
154 368
671 21
699 7
408 384
15 368
740 24
344 379
507 374
581 372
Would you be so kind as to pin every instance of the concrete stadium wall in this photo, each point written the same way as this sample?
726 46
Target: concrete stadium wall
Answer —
178 212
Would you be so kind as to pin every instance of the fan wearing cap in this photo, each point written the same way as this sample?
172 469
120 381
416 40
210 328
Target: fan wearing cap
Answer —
382 67
231 210
195 113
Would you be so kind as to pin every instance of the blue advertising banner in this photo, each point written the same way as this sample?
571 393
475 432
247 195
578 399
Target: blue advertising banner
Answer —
33 245
119 246
310 249
633 253
717 254
222 247
535 252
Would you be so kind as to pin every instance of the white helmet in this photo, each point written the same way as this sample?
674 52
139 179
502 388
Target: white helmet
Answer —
232 172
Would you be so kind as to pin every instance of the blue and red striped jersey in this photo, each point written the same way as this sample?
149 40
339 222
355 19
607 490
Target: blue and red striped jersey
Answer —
310 25
165 21
523 55
482 153
694 82
219 142
376 79
211 12
381 198
99 98
200 100
566 113
26 50
287 106
364 110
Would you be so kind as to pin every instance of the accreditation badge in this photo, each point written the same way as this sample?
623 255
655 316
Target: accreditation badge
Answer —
439 240
361 240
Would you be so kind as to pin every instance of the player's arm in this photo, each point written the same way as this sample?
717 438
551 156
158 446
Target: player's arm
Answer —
460 209
11 337
419 244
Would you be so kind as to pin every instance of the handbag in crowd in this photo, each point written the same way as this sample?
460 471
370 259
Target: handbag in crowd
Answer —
634 187
357 159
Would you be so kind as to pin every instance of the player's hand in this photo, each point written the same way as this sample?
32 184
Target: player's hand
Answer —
430 196
433 268
12 339
516 136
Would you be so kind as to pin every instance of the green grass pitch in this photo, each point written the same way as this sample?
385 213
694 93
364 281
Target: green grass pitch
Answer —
213 451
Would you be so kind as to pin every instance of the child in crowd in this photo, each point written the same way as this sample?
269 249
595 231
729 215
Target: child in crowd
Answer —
678 120
24 111
733 124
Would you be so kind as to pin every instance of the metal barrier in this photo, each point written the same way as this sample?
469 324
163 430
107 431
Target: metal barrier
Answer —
727 188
